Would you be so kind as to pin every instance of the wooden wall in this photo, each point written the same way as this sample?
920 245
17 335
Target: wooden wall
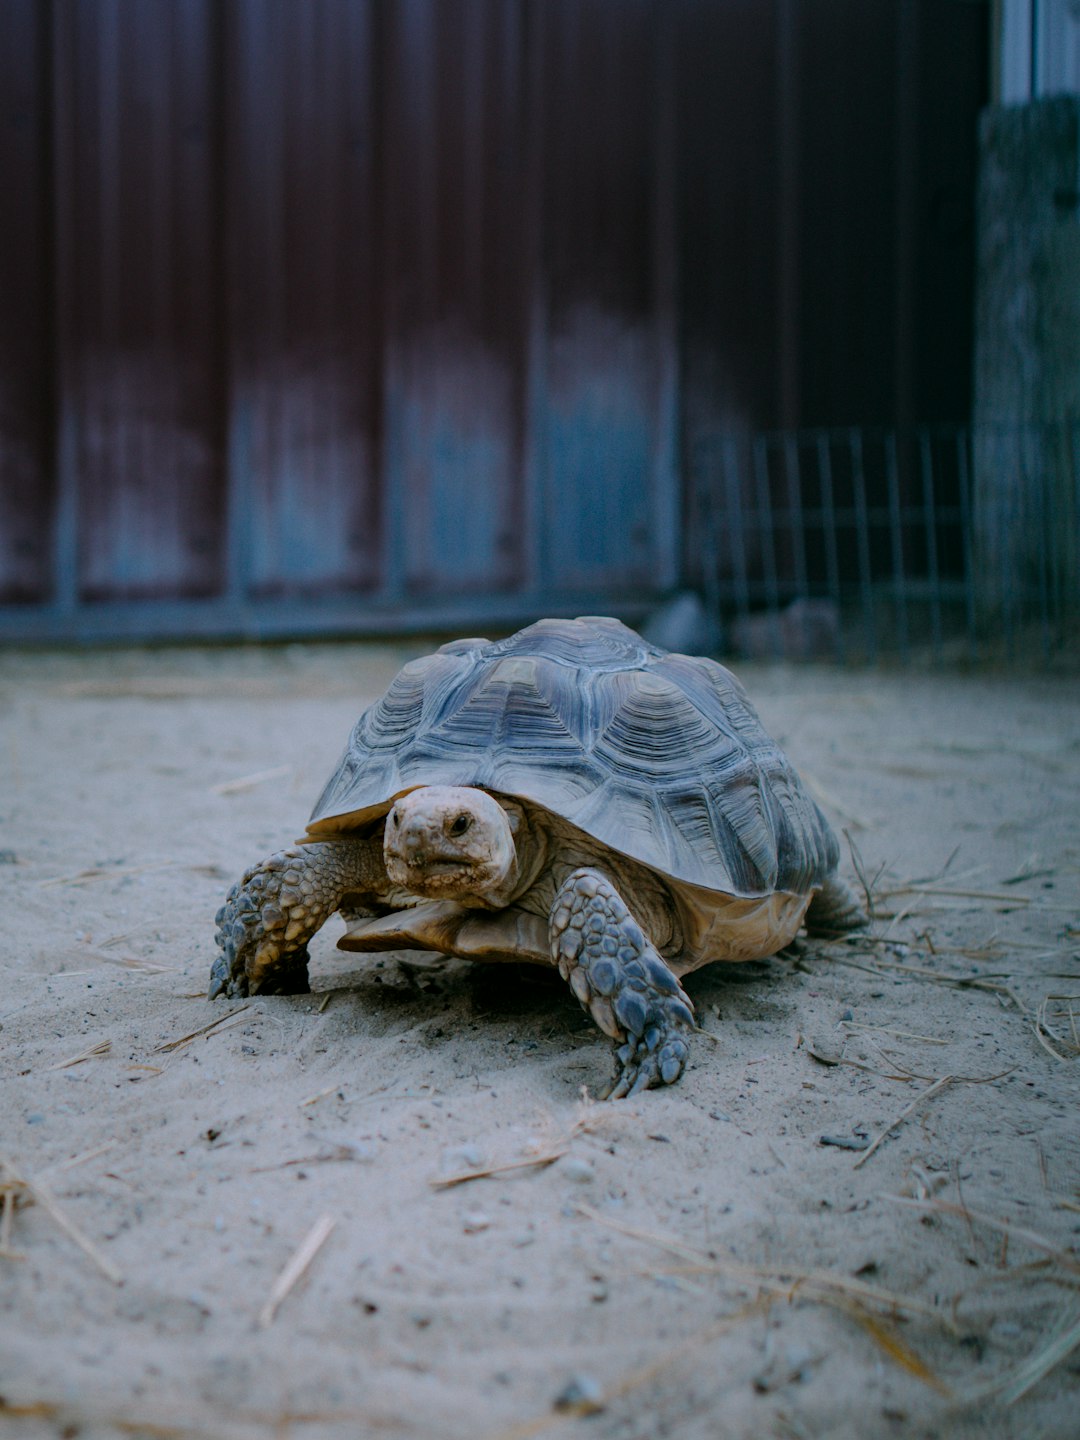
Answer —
357 313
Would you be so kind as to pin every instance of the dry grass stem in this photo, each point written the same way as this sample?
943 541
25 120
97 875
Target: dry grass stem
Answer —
1063 1258
867 885
101 1048
483 1172
896 1349
907 1111
641 1376
319 1095
1015 1383
173 1045
788 1281
7 1214
1060 1010
333 1153
953 892
132 962
939 875
105 872
294 1270
919 972
248 782
79 1159
38 1191
74 1418
47 1202
65 1417
856 1025
592 1118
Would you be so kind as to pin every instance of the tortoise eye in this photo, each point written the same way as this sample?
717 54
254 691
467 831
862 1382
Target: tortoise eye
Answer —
460 824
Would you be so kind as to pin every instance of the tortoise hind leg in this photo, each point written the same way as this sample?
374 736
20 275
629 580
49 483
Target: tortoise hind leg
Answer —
275 908
835 909
619 977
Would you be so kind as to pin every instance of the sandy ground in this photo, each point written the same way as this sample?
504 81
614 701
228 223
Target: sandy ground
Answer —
696 1262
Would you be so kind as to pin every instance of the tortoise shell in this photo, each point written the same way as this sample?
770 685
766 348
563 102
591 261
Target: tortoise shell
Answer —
659 756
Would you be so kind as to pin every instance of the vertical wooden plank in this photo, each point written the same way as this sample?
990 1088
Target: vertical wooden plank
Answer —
739 196
906 212
137 298
787 229
305 326
604 382
733 215
25 322
534 466
848 164
137 384
456 299
667 501
951 88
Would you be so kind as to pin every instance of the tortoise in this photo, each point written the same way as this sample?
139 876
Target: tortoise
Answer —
570 796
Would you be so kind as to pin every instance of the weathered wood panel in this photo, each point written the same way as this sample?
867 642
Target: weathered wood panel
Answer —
606 426
303 230
25 319
454 270
414 307
139 423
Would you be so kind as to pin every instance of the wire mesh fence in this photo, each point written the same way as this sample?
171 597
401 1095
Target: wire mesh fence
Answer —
942 542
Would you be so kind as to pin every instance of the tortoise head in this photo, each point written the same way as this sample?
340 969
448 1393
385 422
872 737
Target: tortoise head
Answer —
451 842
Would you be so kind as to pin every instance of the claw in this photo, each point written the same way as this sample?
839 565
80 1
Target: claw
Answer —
621 979
219 978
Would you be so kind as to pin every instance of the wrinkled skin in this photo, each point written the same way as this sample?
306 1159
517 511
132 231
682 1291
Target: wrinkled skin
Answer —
459 844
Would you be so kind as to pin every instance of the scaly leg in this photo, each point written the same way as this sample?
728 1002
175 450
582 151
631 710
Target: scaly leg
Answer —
835 909
275 908
619 977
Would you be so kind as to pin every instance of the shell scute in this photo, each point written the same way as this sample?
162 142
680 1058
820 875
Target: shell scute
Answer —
660 756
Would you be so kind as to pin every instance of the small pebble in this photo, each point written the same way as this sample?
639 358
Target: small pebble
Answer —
824 1049
798 1360
362 1151
579 1171
581 1395
35 1119
460 1157
475 1221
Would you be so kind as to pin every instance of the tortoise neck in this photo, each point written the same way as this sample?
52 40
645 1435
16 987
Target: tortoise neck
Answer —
531 846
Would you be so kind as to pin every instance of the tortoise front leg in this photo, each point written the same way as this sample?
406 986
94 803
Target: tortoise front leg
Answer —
619 977
275 908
